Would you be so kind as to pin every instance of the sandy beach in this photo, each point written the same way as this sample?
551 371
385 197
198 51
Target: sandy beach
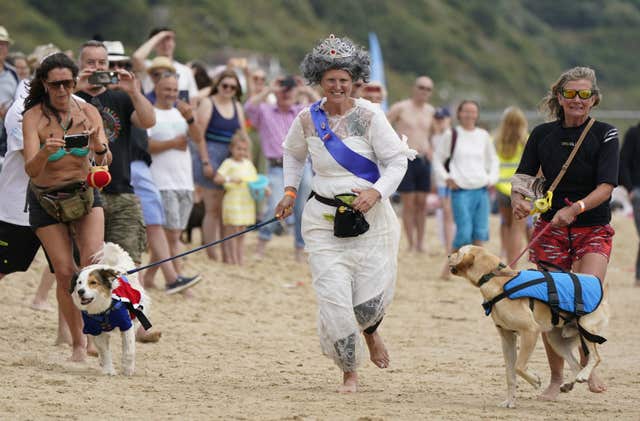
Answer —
244 347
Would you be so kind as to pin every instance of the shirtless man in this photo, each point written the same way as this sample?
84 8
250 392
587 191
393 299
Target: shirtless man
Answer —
412 117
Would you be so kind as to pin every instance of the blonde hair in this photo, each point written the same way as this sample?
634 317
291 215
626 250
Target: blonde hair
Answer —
511 132
550 104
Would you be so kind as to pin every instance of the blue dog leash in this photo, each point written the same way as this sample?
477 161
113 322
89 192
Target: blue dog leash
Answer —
204 246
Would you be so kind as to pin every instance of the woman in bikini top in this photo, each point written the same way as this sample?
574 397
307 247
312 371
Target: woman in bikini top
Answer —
51 113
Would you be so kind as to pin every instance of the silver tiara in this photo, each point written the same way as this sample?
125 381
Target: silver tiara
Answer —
333 48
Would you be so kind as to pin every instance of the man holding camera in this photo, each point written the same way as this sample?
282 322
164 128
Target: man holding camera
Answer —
117 95
272 123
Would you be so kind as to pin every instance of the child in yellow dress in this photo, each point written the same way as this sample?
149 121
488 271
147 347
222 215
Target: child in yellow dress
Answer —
238 207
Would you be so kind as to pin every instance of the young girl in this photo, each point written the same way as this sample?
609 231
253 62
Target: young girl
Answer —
238 207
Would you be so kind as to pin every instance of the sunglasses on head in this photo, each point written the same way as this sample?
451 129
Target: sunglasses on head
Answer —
227 86
424 88
56 84
372 89
581 93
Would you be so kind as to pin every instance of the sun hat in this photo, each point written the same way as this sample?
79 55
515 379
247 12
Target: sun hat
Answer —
161 62
115 50
4 35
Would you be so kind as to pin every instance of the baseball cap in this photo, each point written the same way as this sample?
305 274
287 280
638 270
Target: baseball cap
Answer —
161 62
442 112
4 35
115 50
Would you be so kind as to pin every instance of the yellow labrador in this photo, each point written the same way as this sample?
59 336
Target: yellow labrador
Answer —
527 318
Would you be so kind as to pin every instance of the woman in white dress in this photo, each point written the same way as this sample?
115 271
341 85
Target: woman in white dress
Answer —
357 156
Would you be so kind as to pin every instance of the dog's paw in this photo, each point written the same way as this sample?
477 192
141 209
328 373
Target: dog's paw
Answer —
582 377
509 403
108 371
127 371
567 387
537 383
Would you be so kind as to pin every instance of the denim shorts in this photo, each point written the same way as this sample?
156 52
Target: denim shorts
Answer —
471 215
147 192
218 152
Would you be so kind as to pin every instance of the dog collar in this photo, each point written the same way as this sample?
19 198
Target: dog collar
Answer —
488 276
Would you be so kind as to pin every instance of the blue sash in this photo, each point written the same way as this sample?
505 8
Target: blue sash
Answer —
350 160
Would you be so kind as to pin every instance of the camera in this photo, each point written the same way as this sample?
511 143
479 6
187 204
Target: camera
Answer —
103 78
183 96
288 83
80 140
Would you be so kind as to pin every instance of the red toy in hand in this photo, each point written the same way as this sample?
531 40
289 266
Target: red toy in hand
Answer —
99 176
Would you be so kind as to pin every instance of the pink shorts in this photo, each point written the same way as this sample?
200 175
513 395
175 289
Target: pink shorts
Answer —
564 246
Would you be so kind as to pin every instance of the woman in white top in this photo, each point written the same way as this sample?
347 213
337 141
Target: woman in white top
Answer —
473 166
354 271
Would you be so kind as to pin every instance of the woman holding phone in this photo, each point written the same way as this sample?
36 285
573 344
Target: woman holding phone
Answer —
61 204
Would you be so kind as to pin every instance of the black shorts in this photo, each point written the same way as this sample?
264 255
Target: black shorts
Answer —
417 177
38 217
18 247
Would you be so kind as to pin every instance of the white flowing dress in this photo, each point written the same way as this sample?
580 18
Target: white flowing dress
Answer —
354 278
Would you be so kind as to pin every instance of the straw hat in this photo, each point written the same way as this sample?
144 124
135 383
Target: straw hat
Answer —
161 62
115 50
4 35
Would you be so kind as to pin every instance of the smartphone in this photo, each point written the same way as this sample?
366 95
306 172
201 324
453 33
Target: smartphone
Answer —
183 96
103 78
80 140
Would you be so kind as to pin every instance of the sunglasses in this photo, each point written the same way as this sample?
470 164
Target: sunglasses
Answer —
581 93
260 78
164 74
120 65
227 86
66 84
424 88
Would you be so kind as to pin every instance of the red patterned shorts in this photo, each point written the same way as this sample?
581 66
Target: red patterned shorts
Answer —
564 246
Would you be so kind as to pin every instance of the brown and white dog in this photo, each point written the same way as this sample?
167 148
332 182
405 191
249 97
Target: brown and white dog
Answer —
102 294
516 317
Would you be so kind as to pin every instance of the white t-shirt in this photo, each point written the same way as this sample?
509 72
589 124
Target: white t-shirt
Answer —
186 81
170 169
13 178
475 162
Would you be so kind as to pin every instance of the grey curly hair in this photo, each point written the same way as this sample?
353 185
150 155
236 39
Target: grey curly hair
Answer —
357 64
550 104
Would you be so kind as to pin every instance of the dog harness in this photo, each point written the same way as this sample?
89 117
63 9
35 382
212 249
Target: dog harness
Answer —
575 293
125 306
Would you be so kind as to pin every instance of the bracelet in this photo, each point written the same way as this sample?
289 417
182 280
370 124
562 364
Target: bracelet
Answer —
582 205
104 151
204 163
290 193
191 120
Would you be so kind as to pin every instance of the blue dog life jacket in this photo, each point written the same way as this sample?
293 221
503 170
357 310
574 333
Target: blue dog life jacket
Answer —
575 293
116 316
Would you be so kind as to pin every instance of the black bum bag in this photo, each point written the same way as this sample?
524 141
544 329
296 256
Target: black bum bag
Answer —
347 222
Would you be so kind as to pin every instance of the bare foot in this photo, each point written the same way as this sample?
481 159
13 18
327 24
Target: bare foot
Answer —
551 392
147 337
92 351
377 351
349 383
41 306
596 385
79 354
64 338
